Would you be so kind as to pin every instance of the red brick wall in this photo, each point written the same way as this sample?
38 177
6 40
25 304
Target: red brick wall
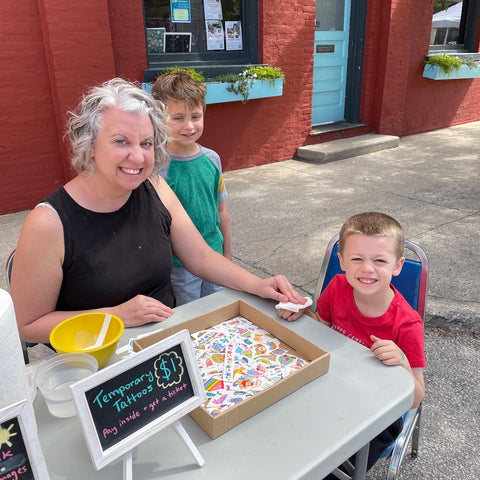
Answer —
269 130
259 131
128 38
396 99
30 163
53 50
78 49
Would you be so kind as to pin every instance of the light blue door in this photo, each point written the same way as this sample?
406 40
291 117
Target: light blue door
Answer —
330 61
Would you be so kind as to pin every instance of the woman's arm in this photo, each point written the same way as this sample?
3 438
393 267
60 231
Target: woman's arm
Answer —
189 246
225 229
37 275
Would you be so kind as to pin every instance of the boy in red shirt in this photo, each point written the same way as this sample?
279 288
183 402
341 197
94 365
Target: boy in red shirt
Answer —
364 306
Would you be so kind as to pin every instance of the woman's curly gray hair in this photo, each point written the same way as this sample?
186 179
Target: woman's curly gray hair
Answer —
85 122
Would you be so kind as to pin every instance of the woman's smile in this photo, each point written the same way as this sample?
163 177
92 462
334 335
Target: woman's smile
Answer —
131 171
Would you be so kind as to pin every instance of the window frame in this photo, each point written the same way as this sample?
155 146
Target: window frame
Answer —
212 63
469 28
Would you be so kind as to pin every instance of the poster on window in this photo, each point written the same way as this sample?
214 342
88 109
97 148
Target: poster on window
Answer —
213 9
155 40
233 35
177 42
215 36
180 11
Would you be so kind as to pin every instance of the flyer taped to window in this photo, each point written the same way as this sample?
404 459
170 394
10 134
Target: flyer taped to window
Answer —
180 11
213 9
215 36
233 35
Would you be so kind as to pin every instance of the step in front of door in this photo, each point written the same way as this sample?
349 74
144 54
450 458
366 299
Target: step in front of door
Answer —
346 148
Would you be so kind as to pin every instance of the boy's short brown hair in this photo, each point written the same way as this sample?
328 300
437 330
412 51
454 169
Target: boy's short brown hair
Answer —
179 86
373 224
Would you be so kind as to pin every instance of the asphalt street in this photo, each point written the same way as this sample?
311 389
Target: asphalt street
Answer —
283 215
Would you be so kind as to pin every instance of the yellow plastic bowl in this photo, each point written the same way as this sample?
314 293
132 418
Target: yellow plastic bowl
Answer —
76 333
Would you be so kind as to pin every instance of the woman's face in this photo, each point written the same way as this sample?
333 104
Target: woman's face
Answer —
124 150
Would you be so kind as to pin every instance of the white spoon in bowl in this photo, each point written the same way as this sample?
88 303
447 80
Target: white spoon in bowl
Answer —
102 334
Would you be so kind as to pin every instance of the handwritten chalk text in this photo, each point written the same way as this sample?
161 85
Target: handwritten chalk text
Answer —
103 398
131 417
15 474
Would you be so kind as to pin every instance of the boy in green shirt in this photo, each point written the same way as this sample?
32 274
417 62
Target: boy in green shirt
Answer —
194 174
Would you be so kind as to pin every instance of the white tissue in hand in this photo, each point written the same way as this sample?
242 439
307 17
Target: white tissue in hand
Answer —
293 307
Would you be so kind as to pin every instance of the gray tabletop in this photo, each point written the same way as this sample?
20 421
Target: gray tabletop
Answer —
305 435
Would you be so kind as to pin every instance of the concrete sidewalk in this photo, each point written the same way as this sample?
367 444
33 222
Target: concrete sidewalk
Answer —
283 214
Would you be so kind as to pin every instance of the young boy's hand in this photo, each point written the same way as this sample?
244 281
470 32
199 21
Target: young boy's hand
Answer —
289 315
292 316
387 351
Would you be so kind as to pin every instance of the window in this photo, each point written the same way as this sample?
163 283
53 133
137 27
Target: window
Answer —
214 36
454 26
329 15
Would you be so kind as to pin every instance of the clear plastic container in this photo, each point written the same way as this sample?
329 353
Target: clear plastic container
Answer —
55 376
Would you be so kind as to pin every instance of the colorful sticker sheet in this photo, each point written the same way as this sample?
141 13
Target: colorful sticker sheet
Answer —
238 359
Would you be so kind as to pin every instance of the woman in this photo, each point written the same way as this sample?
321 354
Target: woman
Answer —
104 240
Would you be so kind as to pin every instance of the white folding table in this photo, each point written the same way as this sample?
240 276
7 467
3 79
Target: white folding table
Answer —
305 435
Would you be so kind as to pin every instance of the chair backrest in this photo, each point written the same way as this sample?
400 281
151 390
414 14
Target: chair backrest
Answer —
8 268
8 271
411 283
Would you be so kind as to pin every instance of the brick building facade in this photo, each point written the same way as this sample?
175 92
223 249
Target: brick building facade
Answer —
53 50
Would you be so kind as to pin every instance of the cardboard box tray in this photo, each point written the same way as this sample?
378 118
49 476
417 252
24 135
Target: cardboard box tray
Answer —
318 363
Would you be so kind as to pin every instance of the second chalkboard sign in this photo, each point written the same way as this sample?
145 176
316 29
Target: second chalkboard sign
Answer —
20 452
124 404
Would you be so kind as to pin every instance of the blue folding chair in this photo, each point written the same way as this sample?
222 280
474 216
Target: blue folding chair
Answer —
412 284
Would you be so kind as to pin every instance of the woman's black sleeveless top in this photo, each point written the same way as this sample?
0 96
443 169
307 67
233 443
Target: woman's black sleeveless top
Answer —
112 257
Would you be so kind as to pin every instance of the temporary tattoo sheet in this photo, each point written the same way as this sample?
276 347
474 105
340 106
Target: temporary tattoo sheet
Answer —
237 360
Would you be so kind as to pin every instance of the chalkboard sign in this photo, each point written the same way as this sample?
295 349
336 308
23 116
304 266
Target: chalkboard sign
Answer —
127 402
20 455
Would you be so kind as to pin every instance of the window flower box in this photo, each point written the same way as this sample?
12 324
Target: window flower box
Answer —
256 81
435 72
217 92
451 67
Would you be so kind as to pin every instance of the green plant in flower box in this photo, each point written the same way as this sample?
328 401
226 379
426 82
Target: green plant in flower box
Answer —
195 74
449 63
242 83
239 83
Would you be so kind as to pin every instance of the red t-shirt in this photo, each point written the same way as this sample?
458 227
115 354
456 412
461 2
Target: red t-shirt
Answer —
400 323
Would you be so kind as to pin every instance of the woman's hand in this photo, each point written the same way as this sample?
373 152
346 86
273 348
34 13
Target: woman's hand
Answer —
280 289
141 310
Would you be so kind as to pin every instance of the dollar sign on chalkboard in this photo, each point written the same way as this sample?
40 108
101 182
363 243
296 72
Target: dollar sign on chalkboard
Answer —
168 369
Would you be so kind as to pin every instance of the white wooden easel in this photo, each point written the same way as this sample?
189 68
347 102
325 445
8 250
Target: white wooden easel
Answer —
128 457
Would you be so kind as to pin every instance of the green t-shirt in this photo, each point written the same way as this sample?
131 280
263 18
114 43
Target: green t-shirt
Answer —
198 183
